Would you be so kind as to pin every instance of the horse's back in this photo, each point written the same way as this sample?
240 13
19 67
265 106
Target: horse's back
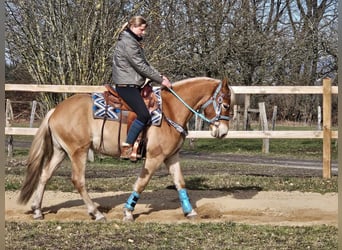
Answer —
74 127
72 112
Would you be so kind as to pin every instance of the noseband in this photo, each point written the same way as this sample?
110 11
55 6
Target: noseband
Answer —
216 100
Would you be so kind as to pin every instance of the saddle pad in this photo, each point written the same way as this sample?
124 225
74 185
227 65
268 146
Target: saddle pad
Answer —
101 110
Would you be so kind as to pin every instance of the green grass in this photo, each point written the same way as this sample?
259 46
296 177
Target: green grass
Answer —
107 173
282 148
194 182
118 235
285 148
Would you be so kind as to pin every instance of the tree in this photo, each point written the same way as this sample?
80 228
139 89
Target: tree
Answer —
263 42
63 42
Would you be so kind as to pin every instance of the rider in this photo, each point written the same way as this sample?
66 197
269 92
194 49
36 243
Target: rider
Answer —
130 70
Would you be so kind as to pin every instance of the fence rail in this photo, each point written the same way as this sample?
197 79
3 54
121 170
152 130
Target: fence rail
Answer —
236 89
326 134
232 134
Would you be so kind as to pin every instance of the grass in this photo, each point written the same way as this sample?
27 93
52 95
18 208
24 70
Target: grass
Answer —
290 148
107 173
283 148
118 235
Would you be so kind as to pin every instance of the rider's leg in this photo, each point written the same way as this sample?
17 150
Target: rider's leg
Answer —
133 133
133 98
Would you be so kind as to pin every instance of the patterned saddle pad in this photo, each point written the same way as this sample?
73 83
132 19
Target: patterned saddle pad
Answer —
102 110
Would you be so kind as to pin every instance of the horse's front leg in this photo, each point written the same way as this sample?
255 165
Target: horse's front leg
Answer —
178 179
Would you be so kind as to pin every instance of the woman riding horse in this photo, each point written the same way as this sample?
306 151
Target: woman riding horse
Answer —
130 70
55 140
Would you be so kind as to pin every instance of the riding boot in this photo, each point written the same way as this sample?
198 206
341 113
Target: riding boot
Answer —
126 151
133 133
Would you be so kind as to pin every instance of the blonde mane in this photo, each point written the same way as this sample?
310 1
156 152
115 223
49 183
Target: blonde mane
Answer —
194 80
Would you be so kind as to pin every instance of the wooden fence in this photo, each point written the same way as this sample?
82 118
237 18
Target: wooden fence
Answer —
326 134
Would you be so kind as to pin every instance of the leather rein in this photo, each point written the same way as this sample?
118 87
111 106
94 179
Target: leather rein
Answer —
216 100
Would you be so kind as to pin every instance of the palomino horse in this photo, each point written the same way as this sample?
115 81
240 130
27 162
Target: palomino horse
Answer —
70 130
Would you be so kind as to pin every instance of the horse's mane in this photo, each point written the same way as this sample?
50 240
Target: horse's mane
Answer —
194 80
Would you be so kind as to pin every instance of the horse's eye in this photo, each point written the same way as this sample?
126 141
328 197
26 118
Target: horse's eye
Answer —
225 106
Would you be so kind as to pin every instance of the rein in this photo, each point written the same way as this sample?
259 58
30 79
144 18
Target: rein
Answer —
212 100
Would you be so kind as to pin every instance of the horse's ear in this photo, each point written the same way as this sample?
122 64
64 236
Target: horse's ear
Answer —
225 81
232 94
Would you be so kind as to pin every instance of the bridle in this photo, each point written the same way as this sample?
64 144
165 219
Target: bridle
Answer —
216 100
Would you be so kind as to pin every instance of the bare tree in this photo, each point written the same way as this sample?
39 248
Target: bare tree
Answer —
308 19
263 42
63 42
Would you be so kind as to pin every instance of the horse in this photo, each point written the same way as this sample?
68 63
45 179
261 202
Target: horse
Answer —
70 130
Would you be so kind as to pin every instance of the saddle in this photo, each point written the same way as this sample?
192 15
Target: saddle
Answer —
113 99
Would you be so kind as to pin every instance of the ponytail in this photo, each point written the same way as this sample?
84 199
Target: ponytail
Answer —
125 26
134 21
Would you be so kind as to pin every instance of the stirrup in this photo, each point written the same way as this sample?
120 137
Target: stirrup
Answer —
126 151
134 153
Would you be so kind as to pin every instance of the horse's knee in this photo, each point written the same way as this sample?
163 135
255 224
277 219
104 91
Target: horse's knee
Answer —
143 180
78 184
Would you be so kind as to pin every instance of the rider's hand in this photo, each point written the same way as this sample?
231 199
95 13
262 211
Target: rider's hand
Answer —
166 82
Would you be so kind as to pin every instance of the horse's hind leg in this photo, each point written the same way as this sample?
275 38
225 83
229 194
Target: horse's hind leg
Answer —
47 172
79 159
150 166
147 171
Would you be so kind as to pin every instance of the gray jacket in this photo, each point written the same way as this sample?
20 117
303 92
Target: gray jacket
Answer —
129 62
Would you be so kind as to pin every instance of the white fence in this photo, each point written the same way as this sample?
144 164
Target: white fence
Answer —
326 134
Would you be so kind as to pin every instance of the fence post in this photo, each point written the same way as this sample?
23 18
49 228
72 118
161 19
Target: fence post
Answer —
33 113
319 118
9 117
327 128
245 113
264 127
236 116
274 116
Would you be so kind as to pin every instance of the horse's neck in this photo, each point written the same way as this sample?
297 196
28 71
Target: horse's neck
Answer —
194 96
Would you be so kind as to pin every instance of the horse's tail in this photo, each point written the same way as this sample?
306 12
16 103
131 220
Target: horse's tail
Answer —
40 152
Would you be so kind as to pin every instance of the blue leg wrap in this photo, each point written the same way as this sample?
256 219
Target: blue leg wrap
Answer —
185 201
132 201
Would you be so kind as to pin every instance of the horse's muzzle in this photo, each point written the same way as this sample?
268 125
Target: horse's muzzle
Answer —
219 129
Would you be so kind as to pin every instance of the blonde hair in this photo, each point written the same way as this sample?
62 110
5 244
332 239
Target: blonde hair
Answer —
135 21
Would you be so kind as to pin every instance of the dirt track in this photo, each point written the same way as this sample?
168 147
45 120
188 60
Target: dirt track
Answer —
252 207
245 206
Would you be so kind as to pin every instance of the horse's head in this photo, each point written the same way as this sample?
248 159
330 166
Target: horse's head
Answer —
217 108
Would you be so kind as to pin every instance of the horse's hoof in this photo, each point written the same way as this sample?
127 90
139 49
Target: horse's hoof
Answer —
128 220
101 219
37 215
192 215
97 216
128 216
